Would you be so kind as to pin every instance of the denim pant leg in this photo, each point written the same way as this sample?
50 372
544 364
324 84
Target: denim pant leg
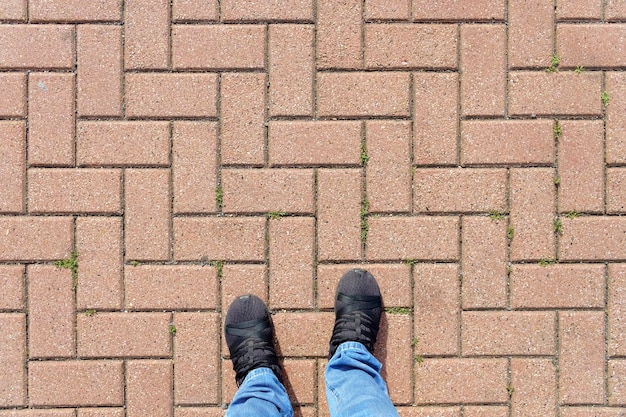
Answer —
261 394
354 387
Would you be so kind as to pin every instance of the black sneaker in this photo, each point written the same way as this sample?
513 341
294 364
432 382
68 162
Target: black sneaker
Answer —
250 337
358 306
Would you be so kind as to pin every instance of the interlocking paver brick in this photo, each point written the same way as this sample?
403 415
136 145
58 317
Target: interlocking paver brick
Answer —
591 412
291 257
146 34
268 190
13 10
413 238
615 190
617 386
484 261
615 118
507 142
534 384
437 308
288 328
617 310
435 102
459 10
67 190
591 45
199 412
147 214
122 143
387 9
12 282
531 33
410 46
255 277
211 238
291 69
171 95
74 10
100 412
37 46
338 214
194 166
165 287
581 357
300 380
99 75
394 349
99 246
532 199
581 166
13 168
579 9
196 358
314 142
243 91
388 173
483 70
485 411
123 335
272 10
54 412
459 189
354 94
614 9
148 388
445 381
54 235
51 125
12 369
394 281
339 34
508 333
218 46
557 286
13 100
428 411
593 238
195 10
76 383
560 93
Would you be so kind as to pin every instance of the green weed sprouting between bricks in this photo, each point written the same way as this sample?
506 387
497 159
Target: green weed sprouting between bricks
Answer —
510 390
496 215
365 207
398 310
554 63
135 263
579 69
410 262
414 342
605 98
572 214
219 197
70 263
546 261
90 312
274 215
557 181
557 226
557 130
510 232
418 358
364 156
172 330
219 267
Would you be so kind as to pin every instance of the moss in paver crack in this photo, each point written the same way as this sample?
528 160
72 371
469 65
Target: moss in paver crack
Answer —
579 69
410 262
557 226
172 330
510 390
72 264
510 233
496 215
274 215
364 156
135 263
365 206
398 310
557 181
546 261
219 267
605 98
557 130
90 312
219 198
554 63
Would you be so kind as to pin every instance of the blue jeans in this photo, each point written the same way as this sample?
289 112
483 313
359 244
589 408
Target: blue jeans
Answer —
354 388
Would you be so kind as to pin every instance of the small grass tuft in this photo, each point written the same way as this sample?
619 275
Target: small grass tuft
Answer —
510 390
496 215
414 342
418 358
172 330
135 263
510 233
557 181
557 226
90 312
579 69
72 264
219 197
557 130
219 267
546 261
275 215
572 215
555 61
398 310
364 155
605 98
410 262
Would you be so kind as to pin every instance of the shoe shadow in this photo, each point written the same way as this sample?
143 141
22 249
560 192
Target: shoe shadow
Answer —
297 412
380 347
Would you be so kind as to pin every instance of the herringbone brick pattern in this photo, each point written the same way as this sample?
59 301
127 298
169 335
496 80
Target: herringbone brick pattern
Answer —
160 157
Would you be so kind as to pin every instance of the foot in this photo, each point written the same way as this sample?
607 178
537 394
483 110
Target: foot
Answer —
358 306
250 337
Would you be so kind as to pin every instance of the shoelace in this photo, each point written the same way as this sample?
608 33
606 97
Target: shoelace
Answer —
360 323
244 357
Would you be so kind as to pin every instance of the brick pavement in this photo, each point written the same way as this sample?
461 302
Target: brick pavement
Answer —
174 154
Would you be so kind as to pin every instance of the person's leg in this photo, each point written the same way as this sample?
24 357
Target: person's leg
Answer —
354 386
250 338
